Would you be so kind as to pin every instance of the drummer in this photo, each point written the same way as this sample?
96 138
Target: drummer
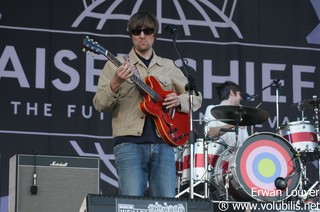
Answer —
228 94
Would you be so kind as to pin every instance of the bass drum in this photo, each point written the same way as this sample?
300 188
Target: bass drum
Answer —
253 168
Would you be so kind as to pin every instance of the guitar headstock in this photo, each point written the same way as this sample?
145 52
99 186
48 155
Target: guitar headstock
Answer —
89 45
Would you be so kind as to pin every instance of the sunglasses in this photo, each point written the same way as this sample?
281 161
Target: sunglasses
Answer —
147 31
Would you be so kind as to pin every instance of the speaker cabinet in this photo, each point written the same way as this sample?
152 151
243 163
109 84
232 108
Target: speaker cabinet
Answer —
98 203
51 183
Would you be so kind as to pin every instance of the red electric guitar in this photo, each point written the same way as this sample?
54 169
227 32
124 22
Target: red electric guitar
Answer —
172 125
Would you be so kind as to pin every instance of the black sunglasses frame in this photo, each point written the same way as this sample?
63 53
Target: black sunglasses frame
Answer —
147 31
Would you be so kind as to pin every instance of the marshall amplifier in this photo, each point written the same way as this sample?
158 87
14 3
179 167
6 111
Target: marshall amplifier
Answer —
51 183
98 203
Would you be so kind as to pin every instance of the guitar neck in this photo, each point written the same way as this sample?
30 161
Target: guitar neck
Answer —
135 78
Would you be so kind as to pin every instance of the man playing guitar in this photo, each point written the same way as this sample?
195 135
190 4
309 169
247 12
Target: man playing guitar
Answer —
145 123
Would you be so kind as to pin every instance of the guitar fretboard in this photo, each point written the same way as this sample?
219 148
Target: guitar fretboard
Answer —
135 78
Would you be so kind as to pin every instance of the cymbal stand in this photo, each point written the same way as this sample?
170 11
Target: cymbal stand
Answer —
236 129
277 84
206 163
302 115
316 123
304 180
206 167
203 179
316 116
309 191
188 190
252 126
318 182
179 170
304 184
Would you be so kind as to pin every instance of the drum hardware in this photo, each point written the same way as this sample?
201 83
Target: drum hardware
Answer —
221 193
252 126
205 159
277 84
206 130
188 189
316 103
281 183
179 158
206 165
206 120
308 193
308 104
316 119
312 104
304 180
228 177
256 164
302 136
240 116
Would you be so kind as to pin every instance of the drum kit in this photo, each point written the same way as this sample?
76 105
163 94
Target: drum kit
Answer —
265 167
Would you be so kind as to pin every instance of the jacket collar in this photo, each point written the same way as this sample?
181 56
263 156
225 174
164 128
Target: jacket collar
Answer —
134 59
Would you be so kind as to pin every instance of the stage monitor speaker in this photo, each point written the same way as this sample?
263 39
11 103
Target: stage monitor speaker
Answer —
98 203
48 183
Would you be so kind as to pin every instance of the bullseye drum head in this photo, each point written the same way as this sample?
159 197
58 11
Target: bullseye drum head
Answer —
263 158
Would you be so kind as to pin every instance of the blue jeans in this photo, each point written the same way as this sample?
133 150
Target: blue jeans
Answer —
137 164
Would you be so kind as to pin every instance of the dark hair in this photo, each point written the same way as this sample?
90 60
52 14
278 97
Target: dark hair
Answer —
143 19
224 89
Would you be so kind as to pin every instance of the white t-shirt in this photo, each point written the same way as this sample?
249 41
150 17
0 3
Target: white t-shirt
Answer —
228 138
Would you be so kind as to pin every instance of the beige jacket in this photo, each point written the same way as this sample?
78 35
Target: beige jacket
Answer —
127 118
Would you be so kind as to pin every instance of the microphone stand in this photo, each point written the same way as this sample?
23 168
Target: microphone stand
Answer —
276 83
190 87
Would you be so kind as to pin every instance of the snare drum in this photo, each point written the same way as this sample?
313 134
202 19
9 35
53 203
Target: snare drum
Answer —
199 171
253 168
301 134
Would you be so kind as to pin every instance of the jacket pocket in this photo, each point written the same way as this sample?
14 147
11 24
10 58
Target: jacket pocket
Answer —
164 82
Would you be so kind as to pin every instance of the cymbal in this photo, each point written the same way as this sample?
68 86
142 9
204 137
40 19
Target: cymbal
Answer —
243 115
307 104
